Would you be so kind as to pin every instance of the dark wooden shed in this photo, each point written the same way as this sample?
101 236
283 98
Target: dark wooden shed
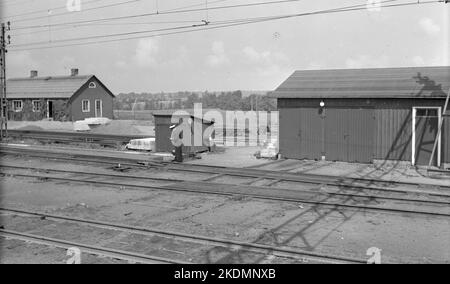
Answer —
362 115
164 127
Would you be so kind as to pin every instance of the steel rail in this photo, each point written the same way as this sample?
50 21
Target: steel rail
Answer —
75 135
277 176
73 157
213 189
257 173
370 197
90 249
283 176
235 245
90 173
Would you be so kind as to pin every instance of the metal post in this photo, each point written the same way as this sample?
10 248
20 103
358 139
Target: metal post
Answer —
323 117
4 103
1 91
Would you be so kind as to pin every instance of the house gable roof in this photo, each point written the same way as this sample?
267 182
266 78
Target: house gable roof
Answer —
86 85
58 87
413 82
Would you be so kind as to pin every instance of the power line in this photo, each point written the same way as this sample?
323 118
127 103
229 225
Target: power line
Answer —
13 3
44 10
197 5
186 27
217 25
173 11
109 24
83 10
75 24
239 22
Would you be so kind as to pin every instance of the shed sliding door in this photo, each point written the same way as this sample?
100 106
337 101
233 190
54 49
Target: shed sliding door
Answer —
349 135
289 133
300 133
340 135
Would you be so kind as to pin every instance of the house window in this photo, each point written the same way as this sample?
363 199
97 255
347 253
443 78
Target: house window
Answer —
37 106
17 106
85 106
92 85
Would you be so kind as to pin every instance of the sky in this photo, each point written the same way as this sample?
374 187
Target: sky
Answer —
257 56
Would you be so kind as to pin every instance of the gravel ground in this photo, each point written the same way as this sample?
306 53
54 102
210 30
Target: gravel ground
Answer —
21 252
401 237
115 127
401 171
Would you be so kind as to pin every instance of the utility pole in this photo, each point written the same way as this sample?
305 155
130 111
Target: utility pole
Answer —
4 41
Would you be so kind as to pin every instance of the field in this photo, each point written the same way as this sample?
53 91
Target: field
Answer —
133 115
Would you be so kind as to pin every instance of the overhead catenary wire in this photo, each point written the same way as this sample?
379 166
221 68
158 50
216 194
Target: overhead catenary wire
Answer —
10 17
70 25
84 10
13 3
168 12
89 22
109 24
195 26
231 23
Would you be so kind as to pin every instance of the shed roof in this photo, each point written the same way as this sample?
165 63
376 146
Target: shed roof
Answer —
45 87
411 82
187 112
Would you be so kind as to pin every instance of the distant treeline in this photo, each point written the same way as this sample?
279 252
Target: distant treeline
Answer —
235 100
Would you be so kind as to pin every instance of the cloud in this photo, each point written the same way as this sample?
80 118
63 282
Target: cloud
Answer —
430 61
121 64
179 58
418 61
429 26
267 63
373 5
218 56
366 61
146 52
68 62
315 66
21 61
263 57
252 54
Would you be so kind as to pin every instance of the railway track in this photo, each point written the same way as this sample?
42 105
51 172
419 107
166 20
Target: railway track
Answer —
359 195
393 203
94 250
383 195
235 246
278 177
79 157
275 177
70 137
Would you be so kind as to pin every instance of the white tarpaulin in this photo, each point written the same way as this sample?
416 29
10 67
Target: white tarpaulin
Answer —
84 125
147 144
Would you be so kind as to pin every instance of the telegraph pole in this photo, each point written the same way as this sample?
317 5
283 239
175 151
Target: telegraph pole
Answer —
4 41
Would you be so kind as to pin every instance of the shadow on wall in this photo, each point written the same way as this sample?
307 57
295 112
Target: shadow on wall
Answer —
399 149
309 232
428 85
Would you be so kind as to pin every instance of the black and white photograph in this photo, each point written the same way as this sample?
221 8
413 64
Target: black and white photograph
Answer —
227 139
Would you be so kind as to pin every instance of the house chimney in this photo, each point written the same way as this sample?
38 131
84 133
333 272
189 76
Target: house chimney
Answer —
33 74
74 72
